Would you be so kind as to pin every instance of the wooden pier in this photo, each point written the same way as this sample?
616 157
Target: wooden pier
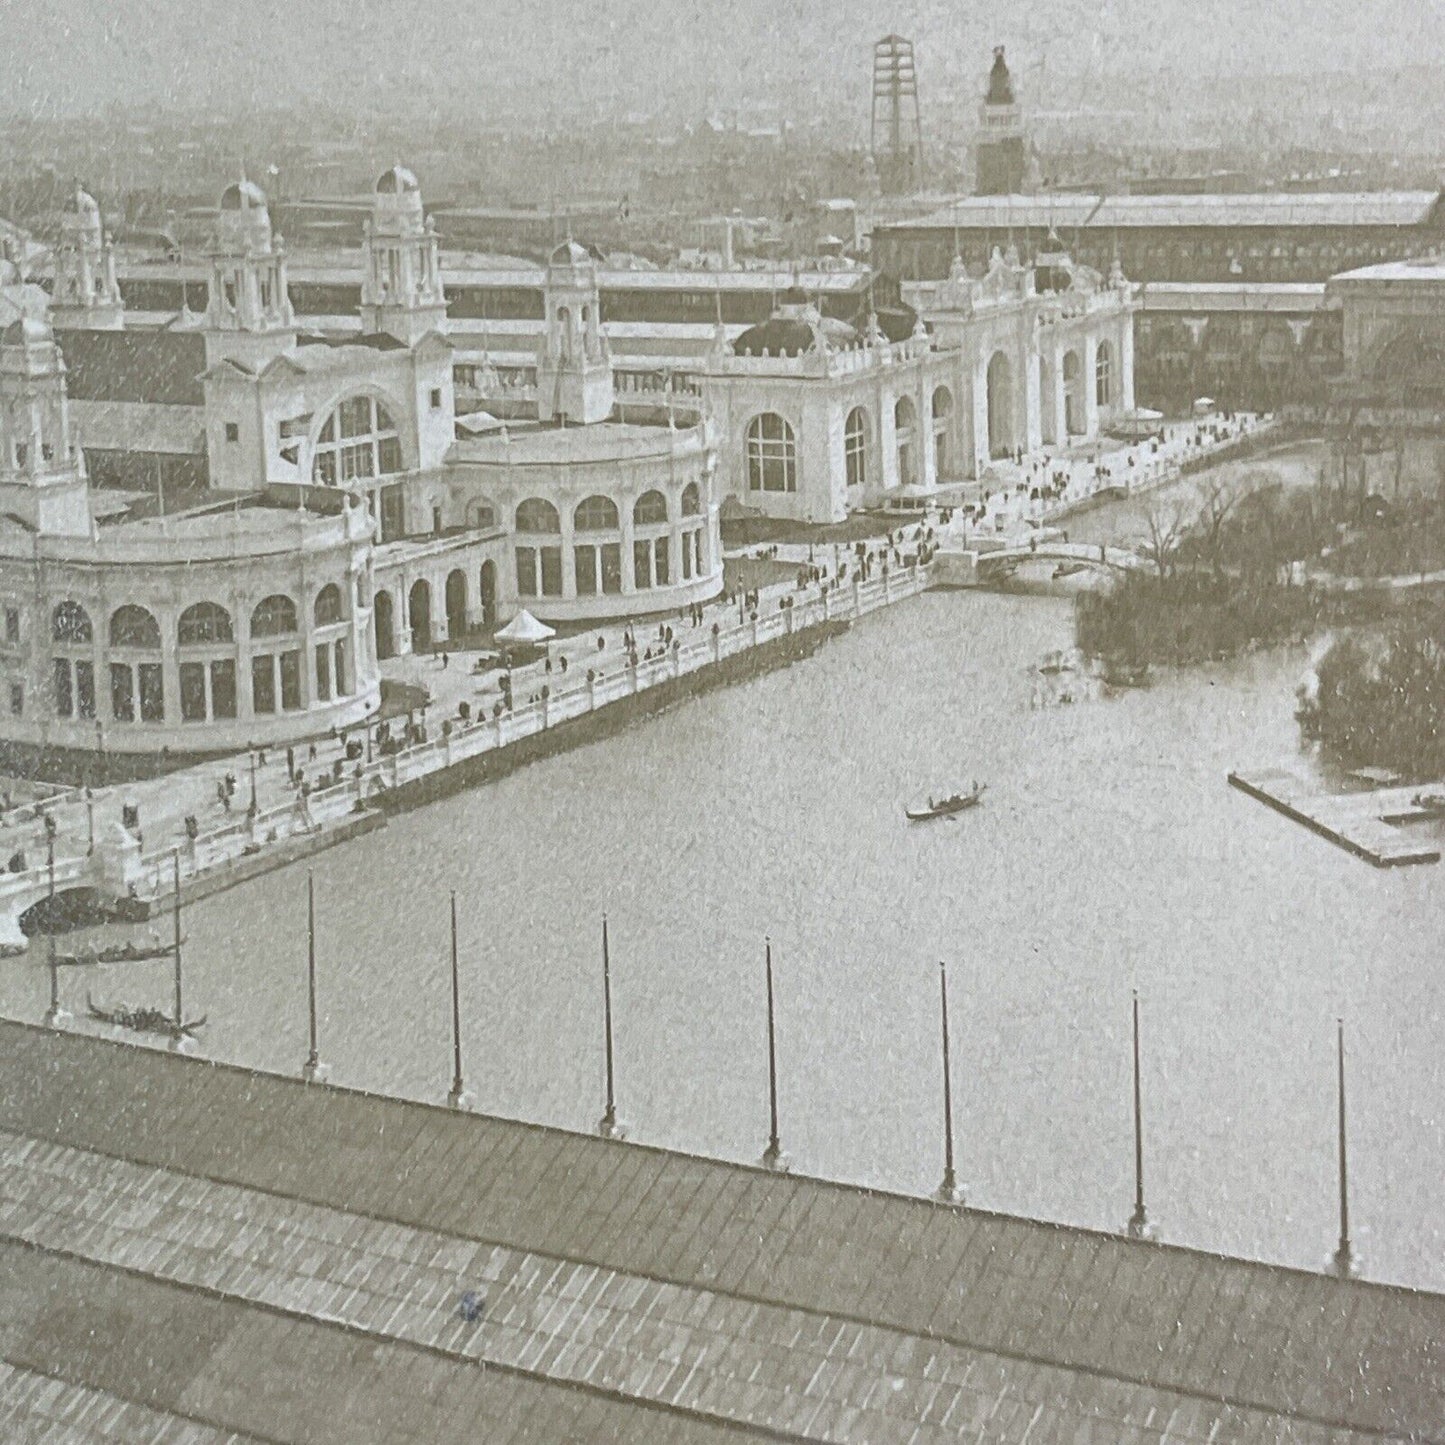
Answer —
1372 824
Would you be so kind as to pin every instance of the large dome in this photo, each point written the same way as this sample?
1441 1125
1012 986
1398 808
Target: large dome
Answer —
793 330
397 181
243 196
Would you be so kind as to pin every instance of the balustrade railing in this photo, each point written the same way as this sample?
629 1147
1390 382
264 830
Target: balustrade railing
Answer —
223 846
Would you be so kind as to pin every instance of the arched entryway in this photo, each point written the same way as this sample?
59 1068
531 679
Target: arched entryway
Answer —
489 595
942 422
1001 442
1073 394
383 619
419 607
905 431
456 604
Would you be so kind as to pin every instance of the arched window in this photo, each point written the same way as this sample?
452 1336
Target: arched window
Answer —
274 616
358 440
691 501
905 427
942 417
1104 374
204 623
535 515
650 509
595 514
70 624
132 626
772 454
327 607
855 447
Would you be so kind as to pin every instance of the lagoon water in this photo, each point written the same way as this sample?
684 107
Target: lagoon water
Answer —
1109 854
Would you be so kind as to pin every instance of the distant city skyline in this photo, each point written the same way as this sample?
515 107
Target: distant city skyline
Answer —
509 58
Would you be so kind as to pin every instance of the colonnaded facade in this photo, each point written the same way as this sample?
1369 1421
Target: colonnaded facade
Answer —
818 420
346 513
233 623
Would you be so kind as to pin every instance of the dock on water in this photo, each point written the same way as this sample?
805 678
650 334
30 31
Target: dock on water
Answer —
1372 823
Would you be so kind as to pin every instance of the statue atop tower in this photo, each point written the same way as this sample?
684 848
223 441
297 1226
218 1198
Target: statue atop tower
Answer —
401 292
86 294
574 364
248 311
1001 155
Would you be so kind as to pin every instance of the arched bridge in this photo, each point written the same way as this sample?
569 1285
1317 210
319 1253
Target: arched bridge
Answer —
996 566
108 871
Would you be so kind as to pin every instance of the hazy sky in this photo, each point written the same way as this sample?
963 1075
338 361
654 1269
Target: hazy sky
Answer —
77 54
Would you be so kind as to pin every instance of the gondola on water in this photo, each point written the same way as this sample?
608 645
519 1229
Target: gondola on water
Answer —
947 807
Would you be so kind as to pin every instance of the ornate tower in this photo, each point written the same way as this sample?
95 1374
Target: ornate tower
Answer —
42 472
1001 156
401 293
574 365
86 295
248 313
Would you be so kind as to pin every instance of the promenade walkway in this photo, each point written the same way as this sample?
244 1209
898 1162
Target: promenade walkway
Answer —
248 1256
541 699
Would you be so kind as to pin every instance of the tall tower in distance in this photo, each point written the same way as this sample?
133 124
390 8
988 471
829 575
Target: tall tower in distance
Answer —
1001 157
896 135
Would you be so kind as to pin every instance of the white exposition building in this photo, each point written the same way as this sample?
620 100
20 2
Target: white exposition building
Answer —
818 420
342 508
345 513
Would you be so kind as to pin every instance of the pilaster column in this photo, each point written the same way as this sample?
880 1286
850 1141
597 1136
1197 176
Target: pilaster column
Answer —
978 395
1091 386
1033 401
1126 363
569 559
629 577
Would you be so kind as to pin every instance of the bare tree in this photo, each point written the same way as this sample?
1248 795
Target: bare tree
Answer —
1164 526
1217 500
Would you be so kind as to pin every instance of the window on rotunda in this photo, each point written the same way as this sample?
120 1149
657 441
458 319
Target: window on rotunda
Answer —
358 440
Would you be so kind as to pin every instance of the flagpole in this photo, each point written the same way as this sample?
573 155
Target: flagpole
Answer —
1138 1227
458 1097
608 1126
773 1156
1345 1263
313 1071
948 1191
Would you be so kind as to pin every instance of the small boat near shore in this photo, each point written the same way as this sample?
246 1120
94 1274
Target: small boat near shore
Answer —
947 807
128 952
1116 672
1054 664
143 1020
1431 804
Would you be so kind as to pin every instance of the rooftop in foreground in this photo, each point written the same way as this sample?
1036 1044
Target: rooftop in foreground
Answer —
226 1254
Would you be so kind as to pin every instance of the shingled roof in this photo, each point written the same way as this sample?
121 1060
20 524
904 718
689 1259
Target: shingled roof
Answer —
724 1294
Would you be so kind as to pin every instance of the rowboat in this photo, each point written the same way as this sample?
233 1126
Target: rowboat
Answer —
143 1020
115 953
947 807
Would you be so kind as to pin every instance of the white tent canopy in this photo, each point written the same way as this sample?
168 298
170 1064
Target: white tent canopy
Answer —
525 628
